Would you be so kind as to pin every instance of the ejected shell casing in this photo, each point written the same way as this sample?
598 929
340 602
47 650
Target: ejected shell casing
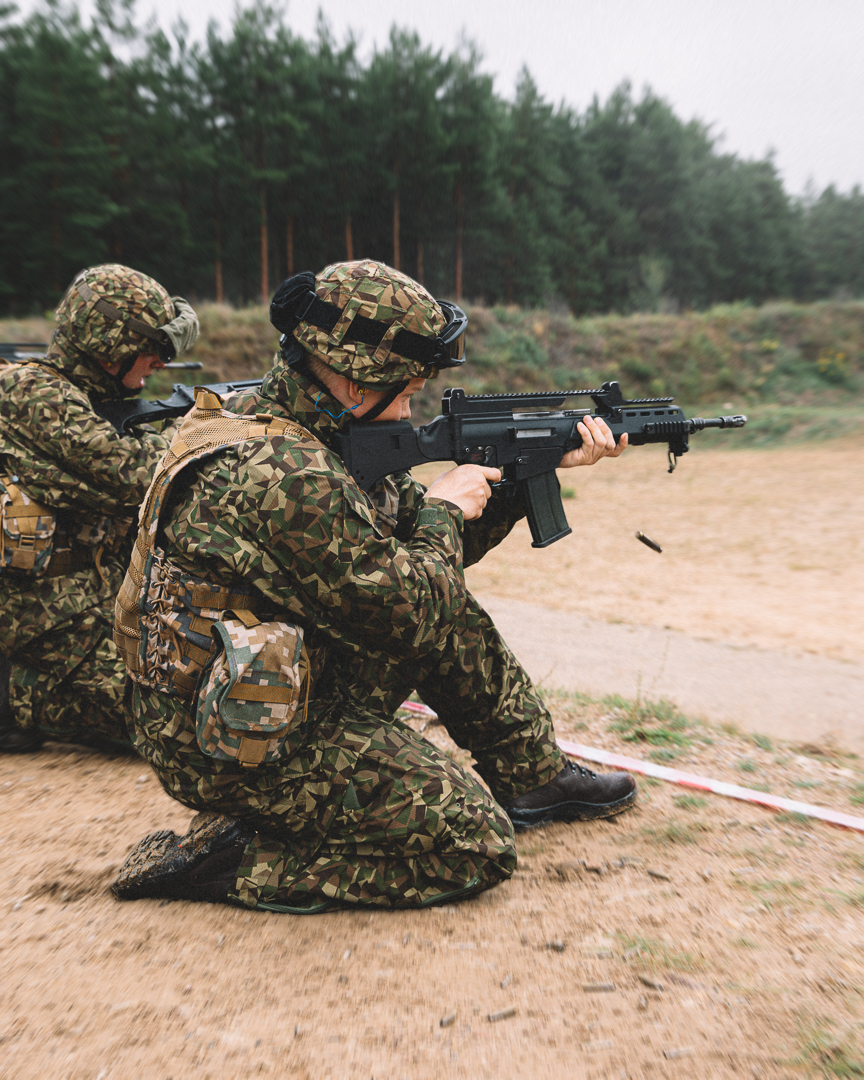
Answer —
648 542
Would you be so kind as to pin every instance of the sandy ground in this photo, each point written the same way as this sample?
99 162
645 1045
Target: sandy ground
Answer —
693 936
751 613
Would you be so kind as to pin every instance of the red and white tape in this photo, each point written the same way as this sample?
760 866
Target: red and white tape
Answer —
691 780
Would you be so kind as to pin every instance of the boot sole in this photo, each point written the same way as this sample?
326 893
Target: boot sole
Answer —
569 811
148 868
20 742
161 864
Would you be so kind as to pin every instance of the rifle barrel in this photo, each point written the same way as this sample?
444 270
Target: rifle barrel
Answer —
698 424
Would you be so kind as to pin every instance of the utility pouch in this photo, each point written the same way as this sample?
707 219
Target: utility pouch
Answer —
248 697
26 531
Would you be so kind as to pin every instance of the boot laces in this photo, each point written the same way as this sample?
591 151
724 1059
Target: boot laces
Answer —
583 772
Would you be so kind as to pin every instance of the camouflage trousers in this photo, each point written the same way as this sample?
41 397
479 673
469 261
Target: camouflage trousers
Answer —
67 677
368 811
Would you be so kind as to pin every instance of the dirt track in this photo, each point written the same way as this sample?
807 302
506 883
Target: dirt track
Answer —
691 937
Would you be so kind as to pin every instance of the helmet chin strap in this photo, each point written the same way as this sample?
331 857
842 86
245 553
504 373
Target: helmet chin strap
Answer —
388 399
124 369
390 394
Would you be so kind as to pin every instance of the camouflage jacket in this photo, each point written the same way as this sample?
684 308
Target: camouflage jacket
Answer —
68 458
65 455
379 573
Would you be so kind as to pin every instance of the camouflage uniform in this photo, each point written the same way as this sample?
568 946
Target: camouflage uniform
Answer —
364 810
68 678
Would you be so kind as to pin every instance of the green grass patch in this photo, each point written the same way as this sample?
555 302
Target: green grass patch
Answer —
658 724
659 954
690 802
792 817
773 890
676 832
762 741
747 765
832 1053
662 754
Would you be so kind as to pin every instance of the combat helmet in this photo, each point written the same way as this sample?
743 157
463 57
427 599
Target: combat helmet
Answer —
370 323
113 314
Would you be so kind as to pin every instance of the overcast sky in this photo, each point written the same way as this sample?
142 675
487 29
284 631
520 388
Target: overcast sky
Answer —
781 75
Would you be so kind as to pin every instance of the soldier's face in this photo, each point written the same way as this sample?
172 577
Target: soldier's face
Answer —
399 408
142 369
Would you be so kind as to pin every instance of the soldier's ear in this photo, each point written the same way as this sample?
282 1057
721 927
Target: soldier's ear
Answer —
356 392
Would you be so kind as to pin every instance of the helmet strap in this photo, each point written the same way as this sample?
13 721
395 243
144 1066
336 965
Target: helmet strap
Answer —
124 369
388 399
390 395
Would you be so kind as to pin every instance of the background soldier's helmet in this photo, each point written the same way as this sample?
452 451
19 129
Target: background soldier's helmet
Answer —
113 314
370 322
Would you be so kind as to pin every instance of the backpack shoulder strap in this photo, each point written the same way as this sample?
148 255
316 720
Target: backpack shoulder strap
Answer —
206 429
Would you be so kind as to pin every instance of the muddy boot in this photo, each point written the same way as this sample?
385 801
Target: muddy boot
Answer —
15 739
202 865
576 794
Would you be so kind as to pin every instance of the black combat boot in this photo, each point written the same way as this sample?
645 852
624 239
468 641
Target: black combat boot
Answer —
202 865
576 794
15 739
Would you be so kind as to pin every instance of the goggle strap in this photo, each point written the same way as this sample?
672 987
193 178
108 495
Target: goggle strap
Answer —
324 315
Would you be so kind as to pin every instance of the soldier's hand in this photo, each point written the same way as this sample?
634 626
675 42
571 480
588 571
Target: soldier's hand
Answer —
597 442
467 486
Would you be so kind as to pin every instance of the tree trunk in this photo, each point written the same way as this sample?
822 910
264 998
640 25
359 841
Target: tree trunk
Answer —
56 234
349 239
289 244
396 259
459 222
508 261
420 270
217 237
265 281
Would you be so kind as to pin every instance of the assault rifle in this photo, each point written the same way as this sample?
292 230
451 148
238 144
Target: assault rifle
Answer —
133 412
515 433
15 352
523 435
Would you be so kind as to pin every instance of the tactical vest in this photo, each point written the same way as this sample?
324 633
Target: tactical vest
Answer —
163 616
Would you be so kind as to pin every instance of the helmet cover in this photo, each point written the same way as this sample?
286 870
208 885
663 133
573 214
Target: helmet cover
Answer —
108 340
375 291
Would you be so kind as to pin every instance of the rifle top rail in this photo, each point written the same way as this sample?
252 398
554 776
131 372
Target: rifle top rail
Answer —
607 398
551 395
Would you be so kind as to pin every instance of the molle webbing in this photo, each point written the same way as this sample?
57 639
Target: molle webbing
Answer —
163 616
